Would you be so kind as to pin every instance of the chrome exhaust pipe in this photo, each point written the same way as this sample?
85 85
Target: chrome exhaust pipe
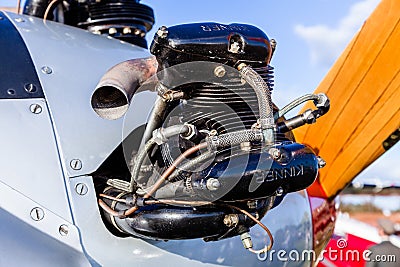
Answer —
113 94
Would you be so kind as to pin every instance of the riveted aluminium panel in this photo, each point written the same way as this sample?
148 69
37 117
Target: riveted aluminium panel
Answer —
29 160
78 59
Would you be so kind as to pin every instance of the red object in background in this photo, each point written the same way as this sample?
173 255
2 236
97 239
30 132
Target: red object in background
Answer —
323 220
347 251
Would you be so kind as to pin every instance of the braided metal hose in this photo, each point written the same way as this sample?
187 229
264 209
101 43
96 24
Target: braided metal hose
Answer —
265 107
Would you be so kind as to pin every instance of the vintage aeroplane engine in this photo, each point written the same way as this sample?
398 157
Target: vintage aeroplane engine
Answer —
215 154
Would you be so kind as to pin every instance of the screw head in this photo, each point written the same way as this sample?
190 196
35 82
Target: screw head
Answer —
11 91
30 88
37 214
81 189
76 164
46 70
35 108
63 230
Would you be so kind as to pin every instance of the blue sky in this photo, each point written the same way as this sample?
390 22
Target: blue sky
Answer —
311 34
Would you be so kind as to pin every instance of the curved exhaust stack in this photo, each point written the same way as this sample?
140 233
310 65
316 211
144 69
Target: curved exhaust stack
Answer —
113 93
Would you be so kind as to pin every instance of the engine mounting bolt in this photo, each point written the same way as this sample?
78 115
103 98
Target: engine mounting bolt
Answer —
35 108
81 189
246 240
279 192
63 230
231 220
321 162
213 184
76 164
46 70
275 153
162 32
37 214
219 71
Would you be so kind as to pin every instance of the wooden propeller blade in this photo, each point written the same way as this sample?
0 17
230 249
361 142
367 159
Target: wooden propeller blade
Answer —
364 88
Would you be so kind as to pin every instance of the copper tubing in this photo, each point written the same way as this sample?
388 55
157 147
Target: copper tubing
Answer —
107 209
159 182
49 9
167 173
271 238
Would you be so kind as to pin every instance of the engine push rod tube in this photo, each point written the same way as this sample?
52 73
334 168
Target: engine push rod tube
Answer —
160 136
260 87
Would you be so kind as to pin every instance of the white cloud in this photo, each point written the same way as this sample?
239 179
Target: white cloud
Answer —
326 43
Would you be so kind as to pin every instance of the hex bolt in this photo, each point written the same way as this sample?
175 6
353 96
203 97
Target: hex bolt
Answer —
162 32
219 71
246 240
46 70
35 108
30 88
112 31
76 164
81 189
231 220
37 214
275 153
252 204
234 47
63 230
213 184
321 162
126 30
213 132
